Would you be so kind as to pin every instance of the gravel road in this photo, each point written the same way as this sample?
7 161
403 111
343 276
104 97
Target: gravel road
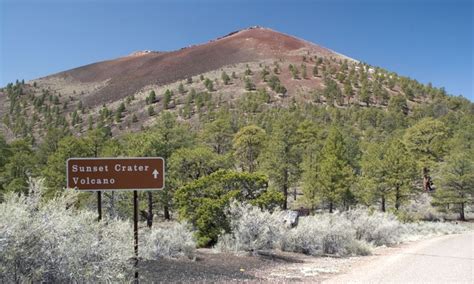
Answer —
446 259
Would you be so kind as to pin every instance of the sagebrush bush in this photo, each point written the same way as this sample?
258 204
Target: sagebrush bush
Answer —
353 232
420 209
172 240
414 231
377 228
54 242
324 234
251 229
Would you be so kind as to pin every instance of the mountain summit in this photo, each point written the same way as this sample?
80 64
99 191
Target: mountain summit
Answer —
245 70
118 78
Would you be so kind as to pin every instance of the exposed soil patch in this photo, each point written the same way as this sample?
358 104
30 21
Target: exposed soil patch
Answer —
210 266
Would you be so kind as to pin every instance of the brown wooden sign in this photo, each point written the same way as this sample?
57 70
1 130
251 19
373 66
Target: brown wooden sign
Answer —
91 174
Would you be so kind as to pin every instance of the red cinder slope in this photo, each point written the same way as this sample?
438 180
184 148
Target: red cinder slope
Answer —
127 75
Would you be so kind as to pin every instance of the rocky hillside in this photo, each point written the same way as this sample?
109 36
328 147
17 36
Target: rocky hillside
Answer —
246 70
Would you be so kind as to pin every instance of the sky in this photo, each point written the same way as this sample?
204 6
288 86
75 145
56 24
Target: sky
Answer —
428 40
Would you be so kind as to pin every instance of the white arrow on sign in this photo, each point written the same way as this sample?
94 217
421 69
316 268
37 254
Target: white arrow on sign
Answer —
155 174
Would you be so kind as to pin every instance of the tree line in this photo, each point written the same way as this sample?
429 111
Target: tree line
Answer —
311 156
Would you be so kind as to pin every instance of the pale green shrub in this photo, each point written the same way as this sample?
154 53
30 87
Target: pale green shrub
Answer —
251 229
53 242
173 240
377 228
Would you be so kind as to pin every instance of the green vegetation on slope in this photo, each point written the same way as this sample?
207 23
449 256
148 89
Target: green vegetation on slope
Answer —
329 152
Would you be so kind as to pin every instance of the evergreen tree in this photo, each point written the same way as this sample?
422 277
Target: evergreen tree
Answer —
19 166
281 157
304 72
315 71
203 202
121 108
348 90
162 140
151 111
335 174
264 74
55 170
364 95
189 164
218 135
181 89
400 169
294 71
372 181
209 85
398 104
151 97
331 92
426 141
225 78
248 144
167 98
456 190
249 86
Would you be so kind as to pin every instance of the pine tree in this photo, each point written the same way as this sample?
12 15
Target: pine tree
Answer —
426 141
294 71
121 108
167 98
151 111
249 86
456 189
315 71
335 174
400 168
332 91
225 78
248 72
209 85
151 97
281 157
304 72
90 122
181 89
364 95
348 90
248 144
372 181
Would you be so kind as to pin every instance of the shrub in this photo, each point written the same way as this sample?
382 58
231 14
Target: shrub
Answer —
420 210
173 240
54 242
203 202
251 229
414 231
324 234
376 228
353 232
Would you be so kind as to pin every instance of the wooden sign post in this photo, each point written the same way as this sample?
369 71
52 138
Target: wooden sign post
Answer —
117 174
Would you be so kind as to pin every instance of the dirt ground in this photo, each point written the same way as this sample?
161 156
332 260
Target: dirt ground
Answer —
265 266
210 266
